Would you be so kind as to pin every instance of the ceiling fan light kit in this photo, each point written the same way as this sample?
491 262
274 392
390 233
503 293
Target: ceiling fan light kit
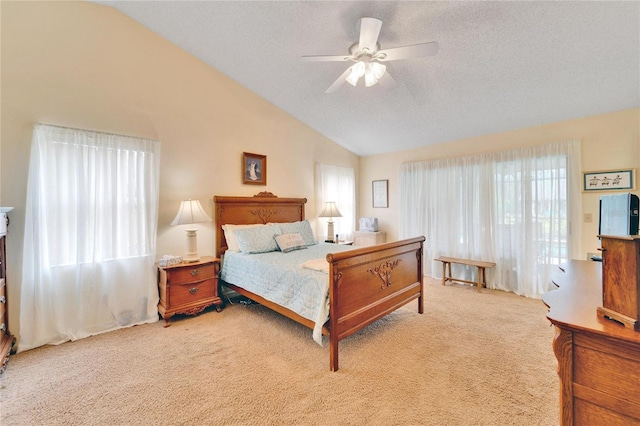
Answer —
374 72
367 57
357 71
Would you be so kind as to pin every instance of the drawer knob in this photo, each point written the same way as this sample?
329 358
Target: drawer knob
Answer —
3 299
193 290
195 272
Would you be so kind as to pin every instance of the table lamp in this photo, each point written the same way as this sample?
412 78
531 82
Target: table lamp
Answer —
191 212
330 210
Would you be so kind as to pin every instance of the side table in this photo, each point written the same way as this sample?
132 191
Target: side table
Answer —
188 288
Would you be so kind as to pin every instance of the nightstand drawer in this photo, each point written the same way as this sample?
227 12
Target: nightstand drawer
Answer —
193 274
185 294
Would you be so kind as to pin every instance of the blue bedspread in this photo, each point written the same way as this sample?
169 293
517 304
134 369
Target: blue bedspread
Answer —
280 278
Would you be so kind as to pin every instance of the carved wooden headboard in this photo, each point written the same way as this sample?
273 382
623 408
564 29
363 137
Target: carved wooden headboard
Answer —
261 208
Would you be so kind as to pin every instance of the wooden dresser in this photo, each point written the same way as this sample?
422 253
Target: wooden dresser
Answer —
6 339
598 358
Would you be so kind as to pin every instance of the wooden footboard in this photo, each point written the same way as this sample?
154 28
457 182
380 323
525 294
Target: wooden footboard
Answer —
365 285
368 283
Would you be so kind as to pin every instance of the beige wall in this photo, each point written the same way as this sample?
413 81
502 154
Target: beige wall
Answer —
88 66
609 141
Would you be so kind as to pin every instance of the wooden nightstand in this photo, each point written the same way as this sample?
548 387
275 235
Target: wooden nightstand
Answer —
188 288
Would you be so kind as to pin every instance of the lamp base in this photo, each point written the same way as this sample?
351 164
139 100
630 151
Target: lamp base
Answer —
329 232
192 247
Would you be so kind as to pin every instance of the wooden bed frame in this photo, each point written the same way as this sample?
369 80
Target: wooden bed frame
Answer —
365 284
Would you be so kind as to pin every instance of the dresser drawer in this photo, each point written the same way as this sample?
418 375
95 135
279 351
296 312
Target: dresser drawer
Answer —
3 318
605 368
192 274
3 310
186 294
3 302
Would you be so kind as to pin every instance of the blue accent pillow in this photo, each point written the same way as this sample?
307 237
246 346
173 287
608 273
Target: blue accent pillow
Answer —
259 239
303 228
290 242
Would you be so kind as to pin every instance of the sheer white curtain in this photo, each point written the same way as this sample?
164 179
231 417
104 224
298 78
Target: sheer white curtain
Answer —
90 235
336 183
514 207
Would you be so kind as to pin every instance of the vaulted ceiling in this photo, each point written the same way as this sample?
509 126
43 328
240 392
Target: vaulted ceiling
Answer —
500 66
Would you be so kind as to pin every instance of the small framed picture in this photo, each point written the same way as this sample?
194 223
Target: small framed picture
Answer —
609 180
380 193
254 169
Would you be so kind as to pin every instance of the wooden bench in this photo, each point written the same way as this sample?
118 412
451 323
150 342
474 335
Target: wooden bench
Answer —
481 265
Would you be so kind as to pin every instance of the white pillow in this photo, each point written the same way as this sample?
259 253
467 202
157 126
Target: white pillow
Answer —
230 236
258 239
290 242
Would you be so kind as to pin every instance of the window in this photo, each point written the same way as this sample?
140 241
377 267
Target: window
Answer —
514 208
336 183
90 231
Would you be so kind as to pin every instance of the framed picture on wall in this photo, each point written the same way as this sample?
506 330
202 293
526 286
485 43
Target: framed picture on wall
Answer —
609 180
254 169
380 193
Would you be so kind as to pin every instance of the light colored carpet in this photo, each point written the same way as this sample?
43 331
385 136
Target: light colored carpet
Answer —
470 359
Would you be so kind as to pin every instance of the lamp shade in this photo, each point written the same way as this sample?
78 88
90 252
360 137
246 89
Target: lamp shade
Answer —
190 211
330 210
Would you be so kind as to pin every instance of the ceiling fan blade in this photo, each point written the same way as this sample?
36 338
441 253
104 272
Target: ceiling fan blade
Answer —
369 31
387 82
339 82
320 58
404 52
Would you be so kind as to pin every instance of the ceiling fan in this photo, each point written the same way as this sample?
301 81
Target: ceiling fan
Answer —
368 57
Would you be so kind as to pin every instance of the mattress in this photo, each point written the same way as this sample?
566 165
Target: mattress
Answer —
281 279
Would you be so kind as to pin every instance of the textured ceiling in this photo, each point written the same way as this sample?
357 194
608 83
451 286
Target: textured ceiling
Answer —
501 65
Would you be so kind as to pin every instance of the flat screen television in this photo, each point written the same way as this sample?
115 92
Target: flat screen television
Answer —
618 214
